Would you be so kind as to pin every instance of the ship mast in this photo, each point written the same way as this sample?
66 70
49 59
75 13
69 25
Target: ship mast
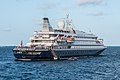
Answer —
69 24
67 21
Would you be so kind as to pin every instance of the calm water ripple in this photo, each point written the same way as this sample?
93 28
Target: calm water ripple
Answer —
103 67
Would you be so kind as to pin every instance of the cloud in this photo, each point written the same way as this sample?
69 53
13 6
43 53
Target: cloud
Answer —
47 6
86 2
97 14
6 30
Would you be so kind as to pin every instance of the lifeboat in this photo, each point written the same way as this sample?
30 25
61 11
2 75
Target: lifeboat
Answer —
99 41
70 39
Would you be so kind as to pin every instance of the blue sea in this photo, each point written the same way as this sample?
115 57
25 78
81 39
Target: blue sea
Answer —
103 67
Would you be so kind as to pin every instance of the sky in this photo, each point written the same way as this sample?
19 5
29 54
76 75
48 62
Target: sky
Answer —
20 18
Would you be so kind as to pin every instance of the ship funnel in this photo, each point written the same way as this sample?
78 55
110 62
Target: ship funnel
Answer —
46 25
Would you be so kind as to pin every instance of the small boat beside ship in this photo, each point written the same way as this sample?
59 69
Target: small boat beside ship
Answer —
64 42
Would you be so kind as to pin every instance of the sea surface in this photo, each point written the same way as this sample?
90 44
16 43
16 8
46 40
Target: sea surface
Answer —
103 67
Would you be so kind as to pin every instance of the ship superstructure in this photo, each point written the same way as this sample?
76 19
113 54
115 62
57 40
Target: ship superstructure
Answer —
63 42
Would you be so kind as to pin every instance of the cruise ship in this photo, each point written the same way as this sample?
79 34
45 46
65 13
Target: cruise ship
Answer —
60 43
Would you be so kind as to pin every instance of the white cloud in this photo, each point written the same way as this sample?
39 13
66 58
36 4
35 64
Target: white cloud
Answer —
85 2
6 30
97 14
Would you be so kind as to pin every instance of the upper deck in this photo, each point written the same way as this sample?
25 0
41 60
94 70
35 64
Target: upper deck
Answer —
64 35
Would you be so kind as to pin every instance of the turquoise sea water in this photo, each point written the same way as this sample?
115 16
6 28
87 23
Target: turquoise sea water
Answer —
103 67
